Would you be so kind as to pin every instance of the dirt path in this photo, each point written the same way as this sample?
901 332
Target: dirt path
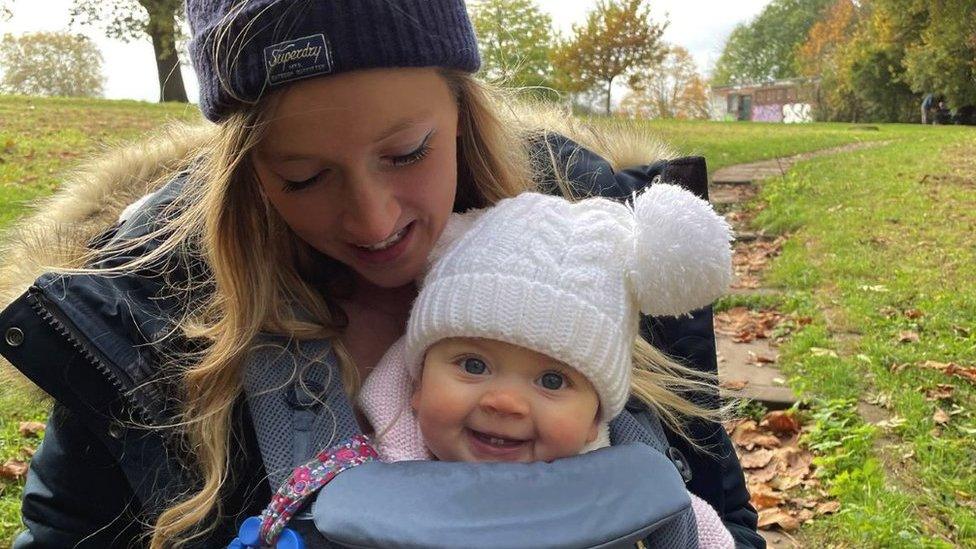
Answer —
745 338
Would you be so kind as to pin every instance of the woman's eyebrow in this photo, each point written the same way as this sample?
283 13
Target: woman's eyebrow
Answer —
386 134
402 125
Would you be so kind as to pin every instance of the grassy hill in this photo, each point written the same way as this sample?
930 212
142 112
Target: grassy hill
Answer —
882 245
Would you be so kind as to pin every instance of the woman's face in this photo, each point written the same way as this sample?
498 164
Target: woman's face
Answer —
363 167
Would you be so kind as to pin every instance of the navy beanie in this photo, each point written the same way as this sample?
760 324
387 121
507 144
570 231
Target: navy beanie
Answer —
241 50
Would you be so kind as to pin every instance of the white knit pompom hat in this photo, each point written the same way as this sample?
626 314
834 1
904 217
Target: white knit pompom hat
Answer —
567 279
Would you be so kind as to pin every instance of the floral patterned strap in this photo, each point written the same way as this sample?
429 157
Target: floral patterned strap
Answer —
306 479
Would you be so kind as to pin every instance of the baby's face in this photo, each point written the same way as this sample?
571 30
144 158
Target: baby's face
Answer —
484 400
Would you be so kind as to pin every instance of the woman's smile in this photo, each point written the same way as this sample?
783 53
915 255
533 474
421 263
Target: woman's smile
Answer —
387 251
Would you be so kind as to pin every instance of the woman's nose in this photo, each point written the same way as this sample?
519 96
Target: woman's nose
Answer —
506 401
371 211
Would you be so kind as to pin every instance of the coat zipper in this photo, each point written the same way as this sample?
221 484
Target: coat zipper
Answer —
121 381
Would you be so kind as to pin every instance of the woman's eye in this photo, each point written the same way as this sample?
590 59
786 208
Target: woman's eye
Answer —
414 156
552 381
292 186
474 366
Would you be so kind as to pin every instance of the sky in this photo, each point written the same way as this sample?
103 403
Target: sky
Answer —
700 26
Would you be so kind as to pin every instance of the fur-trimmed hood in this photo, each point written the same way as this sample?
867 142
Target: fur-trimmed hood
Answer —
54 233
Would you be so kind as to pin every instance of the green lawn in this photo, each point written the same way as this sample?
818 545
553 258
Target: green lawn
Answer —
882 255
882 242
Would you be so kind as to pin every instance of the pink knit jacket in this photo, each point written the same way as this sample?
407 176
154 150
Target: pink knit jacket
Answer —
385 400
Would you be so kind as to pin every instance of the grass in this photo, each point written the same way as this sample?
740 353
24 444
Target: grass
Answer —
727 143
874 233
41 138
883 245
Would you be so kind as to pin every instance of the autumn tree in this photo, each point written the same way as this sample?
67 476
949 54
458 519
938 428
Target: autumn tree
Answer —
51 63
618 39
133 19
765 48
515 38
825 59
674 89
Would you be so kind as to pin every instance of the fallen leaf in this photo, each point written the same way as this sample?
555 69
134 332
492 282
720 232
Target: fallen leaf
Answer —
777 517
891 423
908 337
828 507
27 451
762 359
942 391
940 417
914 314
819 351
781 422
765 500
951 369
13 469
748 436
877 288
30 428
804 515
756 459
734 384
784 482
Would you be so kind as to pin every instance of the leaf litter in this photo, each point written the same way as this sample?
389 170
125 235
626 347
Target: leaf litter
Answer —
779 471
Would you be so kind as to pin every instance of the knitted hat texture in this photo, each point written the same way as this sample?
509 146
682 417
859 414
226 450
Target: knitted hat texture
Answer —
567 279
241 50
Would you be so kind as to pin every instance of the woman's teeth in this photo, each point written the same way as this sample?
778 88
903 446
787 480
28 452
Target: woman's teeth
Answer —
393 239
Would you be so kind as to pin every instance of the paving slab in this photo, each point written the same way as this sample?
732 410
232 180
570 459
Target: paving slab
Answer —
739 362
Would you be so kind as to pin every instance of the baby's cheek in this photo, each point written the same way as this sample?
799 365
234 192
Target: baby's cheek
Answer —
440 418
567 434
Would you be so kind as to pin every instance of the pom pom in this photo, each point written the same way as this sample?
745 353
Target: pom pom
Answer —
682 259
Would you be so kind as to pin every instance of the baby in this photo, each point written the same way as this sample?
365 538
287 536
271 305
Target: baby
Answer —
520 344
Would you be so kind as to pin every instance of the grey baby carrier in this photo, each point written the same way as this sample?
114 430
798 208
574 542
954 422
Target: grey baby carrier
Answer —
613 497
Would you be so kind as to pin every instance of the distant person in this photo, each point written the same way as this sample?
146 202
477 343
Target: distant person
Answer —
942 114
928 107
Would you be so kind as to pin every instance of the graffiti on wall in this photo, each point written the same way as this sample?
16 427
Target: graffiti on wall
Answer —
767 113
797 113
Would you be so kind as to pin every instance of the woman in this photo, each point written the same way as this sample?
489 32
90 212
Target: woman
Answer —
346 133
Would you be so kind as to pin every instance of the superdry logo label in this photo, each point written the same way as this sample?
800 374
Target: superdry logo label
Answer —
300 58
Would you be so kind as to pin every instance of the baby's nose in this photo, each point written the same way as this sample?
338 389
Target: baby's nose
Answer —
506 402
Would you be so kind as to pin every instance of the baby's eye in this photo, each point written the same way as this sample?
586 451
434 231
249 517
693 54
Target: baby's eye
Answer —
474 366
552 380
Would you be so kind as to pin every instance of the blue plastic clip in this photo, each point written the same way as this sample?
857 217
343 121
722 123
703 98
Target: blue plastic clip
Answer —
290 539
249 533
249 537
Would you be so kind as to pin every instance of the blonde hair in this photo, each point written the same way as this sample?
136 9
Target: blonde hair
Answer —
252 285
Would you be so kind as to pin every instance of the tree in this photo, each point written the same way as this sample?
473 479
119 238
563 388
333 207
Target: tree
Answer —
515 37
674 89
132 19
51 63
943 57
618 39
825 56
765 48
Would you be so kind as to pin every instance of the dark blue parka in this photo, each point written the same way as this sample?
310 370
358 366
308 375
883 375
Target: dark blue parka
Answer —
97 479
